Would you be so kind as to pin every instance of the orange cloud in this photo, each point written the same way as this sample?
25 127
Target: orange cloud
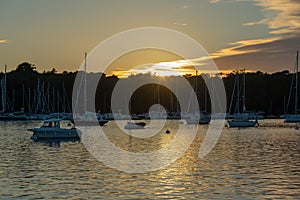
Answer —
282 15
173 68
283 20
243 47
214 1
278 14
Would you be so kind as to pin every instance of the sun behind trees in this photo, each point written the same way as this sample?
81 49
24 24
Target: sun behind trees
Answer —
265 92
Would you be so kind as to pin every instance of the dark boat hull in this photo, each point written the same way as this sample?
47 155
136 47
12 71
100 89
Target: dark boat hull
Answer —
12 118
292 119
55 134
241 123
135 125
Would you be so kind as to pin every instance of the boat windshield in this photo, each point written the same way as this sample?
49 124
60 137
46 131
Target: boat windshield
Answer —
51 124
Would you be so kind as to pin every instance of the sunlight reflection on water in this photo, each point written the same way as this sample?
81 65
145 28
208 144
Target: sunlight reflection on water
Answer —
248 163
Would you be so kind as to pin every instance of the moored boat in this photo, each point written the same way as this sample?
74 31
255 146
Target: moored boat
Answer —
241 119
135 125
292 118
89 119
51 129
201 120
12 117
295 118
242 123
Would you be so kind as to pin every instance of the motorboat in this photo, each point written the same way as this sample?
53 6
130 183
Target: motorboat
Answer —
135 125
242 123
51 129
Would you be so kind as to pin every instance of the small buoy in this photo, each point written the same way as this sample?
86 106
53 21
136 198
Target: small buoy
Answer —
167 131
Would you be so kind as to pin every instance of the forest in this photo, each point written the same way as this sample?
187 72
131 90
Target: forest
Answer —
30 91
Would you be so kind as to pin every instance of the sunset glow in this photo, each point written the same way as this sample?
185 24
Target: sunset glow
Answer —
257 35
176 68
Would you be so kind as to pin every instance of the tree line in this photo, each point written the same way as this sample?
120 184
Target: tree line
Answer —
49 91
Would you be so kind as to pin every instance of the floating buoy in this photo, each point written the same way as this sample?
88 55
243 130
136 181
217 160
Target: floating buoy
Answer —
297 127
167 131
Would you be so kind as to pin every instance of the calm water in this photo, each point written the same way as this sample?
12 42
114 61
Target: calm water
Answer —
252 163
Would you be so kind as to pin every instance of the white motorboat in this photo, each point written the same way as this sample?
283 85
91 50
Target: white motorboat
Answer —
51 129
135 125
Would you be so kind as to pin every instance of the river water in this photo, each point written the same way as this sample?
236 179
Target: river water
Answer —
253 163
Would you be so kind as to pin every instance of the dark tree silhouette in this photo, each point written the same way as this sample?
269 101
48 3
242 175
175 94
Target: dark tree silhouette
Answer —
264 92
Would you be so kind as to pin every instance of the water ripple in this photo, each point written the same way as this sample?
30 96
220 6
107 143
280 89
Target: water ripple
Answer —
253 163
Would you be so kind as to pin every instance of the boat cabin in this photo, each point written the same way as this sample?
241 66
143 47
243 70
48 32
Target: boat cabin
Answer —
51 124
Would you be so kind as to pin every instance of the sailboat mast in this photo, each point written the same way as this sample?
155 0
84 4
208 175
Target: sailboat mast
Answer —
84 84
244 91
57 101
64 98
23 96
296 92
13 100
238 92
158 98
29 101
205 97
177 93
4 91
196 89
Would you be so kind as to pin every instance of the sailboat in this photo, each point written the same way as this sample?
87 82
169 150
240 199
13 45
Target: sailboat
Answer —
132 124
204 117
157 114
88 118
295 117
5 115
241 119
3 86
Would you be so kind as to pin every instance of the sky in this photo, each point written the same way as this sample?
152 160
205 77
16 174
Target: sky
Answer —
257 35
